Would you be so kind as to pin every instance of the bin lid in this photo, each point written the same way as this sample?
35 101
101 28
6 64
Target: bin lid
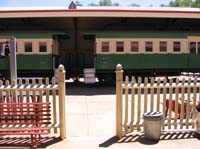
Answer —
152 115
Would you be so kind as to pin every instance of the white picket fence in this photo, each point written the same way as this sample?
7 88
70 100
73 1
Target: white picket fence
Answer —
176 100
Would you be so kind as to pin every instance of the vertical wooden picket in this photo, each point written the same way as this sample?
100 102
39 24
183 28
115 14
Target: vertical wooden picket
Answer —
164 102
132 103
126 104
182 103
139 104
20 96
27 92
188 103
13 92
34 92
158 96
193 108
152 95
40 91
47 91
176 104
145 93
54 105
8 99
170 103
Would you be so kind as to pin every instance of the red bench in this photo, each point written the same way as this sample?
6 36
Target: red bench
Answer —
25 119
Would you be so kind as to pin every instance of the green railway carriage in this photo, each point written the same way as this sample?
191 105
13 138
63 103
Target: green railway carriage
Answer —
147 53
37 53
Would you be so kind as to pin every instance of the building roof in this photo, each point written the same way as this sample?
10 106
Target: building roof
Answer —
95 11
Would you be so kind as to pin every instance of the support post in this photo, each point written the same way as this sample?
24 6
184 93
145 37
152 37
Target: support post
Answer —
13 59
119 79
61 81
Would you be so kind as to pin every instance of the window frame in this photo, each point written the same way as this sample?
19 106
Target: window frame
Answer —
40 50
25 47
134 46
161 47
148 49
193 49
120 46
105 46
177 49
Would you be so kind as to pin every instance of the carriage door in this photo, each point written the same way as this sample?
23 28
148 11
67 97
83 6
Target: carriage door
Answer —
194 45
194 56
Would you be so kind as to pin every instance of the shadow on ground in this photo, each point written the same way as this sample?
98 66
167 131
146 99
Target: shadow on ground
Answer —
140 138
89 89
24 142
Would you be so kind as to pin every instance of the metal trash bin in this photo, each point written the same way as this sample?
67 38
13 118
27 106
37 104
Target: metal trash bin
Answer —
152 125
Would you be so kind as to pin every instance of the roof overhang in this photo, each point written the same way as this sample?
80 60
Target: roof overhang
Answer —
132 12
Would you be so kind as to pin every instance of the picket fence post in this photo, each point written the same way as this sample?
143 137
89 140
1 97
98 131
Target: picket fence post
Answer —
61 81
119 79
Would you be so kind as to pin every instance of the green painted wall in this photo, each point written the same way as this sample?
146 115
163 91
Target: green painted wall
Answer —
30 34
148 61
3 63
30 62
39 62
143 34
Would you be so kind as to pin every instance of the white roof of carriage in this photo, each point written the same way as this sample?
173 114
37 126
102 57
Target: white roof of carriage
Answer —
93 11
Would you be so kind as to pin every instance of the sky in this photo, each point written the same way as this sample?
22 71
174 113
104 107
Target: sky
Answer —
24 3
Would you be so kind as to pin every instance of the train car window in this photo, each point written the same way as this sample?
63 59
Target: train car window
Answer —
177 46
43 47
28 47
192 47
148 46
163 46
134 46
105 46
198 47
120 46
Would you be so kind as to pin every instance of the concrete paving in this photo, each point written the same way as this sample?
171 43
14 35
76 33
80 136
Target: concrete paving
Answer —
90 120
91 125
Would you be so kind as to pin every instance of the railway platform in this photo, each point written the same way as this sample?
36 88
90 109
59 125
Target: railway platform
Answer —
90 121
187 141
91 125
